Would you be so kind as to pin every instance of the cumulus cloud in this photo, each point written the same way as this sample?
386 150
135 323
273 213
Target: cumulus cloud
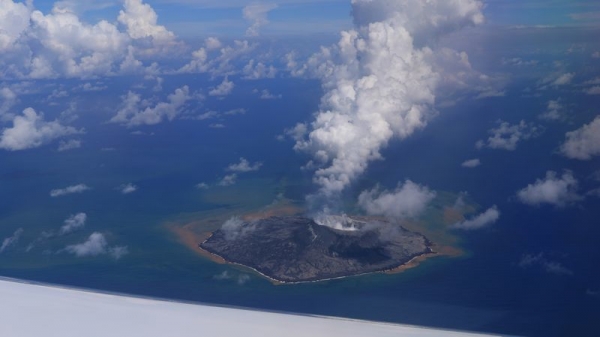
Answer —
202 186
555 80
379 83
14 20
256 14
563 79
30 130
507 136
471 163
257 70
141 22
217 61
554 110
223 89
80 188
132 112
69 145
583 143
228 180
8 98
10 241
244 166
59 44
539 260
96 245
266 94
212 43
408 200
128 188
553 190
482 220
236 227
595 90
73 223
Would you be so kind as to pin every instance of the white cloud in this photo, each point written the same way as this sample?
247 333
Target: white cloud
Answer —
10 241
8 98
132 112
14 20
198 63
256 14
379 83
552 267
128 188
69 145
235 227
80 188
583 143
554 110
244 166
73 48
141 22
223 89
228 180
593 90
202 186
555 80
96 245
482 220
91 87
59 44
593 81
408 200
564 79
471 163
212 43
259 70
507 136
233 112
204 59
30 131
517 61
73 223
266 94
554 190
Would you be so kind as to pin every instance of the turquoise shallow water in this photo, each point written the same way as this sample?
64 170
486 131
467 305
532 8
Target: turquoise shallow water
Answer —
485 290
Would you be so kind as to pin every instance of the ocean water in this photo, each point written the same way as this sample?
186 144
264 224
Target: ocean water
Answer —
484 290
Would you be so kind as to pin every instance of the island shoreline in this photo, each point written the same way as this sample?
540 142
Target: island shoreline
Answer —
413 262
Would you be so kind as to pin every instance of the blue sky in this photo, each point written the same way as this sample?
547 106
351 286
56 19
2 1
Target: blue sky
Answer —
189 18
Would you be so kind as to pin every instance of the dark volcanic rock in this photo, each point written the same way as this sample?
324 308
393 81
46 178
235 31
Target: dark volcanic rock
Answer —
296 249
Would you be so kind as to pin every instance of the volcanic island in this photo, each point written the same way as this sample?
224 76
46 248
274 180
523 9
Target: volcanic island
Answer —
296 249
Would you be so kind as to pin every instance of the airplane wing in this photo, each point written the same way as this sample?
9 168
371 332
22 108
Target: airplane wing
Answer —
33 310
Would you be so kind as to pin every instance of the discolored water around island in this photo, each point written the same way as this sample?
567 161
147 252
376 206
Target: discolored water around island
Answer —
297 249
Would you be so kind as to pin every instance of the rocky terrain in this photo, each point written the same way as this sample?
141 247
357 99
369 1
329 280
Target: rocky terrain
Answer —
296 249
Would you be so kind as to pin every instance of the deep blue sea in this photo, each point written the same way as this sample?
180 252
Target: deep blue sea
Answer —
484 290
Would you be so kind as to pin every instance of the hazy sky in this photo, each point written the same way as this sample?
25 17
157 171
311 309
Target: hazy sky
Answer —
188 18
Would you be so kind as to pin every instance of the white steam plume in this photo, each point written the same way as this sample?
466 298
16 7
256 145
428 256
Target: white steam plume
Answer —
379 82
